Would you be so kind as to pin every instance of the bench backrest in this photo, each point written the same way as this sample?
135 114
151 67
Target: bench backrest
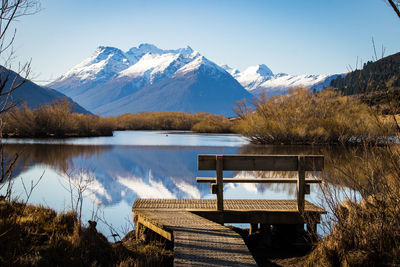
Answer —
261 162
220 163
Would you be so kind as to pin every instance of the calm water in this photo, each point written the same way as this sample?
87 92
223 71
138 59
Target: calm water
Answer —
134 164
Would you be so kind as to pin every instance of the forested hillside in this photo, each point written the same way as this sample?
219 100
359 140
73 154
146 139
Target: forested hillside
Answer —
381 75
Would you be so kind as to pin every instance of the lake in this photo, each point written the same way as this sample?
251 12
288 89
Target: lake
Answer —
113 171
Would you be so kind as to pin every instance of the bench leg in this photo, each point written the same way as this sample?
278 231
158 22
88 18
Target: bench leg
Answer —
137 231
253 228
265 230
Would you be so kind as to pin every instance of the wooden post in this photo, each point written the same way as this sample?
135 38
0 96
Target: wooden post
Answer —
137 233
253 228
300 184
265 230
220 185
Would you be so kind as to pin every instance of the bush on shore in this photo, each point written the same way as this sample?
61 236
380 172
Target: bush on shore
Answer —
58 120
171 120
304 117
54 120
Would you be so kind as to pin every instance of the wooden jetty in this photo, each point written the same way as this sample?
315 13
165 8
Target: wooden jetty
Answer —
195 226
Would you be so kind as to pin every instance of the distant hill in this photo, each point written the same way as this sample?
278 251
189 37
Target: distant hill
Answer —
32 94
260 80
380 75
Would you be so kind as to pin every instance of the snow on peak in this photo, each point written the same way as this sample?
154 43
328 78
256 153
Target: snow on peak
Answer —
103 51
149 65
261 70
197 63
287 81
108 62
105 61
253 76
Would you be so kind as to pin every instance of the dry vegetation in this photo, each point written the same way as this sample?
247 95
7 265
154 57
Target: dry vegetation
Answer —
58 120
364 230
198 122
303 117
38 236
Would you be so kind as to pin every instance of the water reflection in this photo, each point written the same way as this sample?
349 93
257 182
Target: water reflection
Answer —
58 157
335 157
123 172
129 172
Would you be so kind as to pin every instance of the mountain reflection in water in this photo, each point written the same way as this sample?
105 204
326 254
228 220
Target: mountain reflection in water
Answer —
122 170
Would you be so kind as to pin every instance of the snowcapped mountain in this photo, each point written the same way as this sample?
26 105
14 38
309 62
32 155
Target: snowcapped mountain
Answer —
260 79
147 78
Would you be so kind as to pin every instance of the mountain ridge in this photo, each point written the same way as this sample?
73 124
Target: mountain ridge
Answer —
259 79
146 78
112 81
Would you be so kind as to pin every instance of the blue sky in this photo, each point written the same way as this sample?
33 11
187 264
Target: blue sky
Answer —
295 37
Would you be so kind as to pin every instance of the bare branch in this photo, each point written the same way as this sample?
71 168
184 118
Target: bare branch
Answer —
396 6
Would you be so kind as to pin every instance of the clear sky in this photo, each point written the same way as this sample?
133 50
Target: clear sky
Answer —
295 37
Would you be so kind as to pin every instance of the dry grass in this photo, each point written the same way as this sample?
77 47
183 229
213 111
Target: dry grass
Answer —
364 229
303 117
58 120
53 120
38 236
198 122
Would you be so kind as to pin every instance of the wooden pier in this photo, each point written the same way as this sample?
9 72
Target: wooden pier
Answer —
196 226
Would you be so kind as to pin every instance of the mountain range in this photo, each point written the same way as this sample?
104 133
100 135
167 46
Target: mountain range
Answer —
147 78
260 79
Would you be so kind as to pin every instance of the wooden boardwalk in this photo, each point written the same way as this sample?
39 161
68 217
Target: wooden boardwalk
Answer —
196 225
229 204
199 240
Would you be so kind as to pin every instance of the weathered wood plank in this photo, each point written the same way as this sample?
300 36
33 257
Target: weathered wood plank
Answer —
159 230
257 180
198 241
301 184
261 162
220 184
264 205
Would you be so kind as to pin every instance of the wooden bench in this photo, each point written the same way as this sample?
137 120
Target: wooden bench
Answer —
220 163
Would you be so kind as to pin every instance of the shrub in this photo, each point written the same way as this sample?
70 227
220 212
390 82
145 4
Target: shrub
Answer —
213 124
364 230
303 117
56 119
171 120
